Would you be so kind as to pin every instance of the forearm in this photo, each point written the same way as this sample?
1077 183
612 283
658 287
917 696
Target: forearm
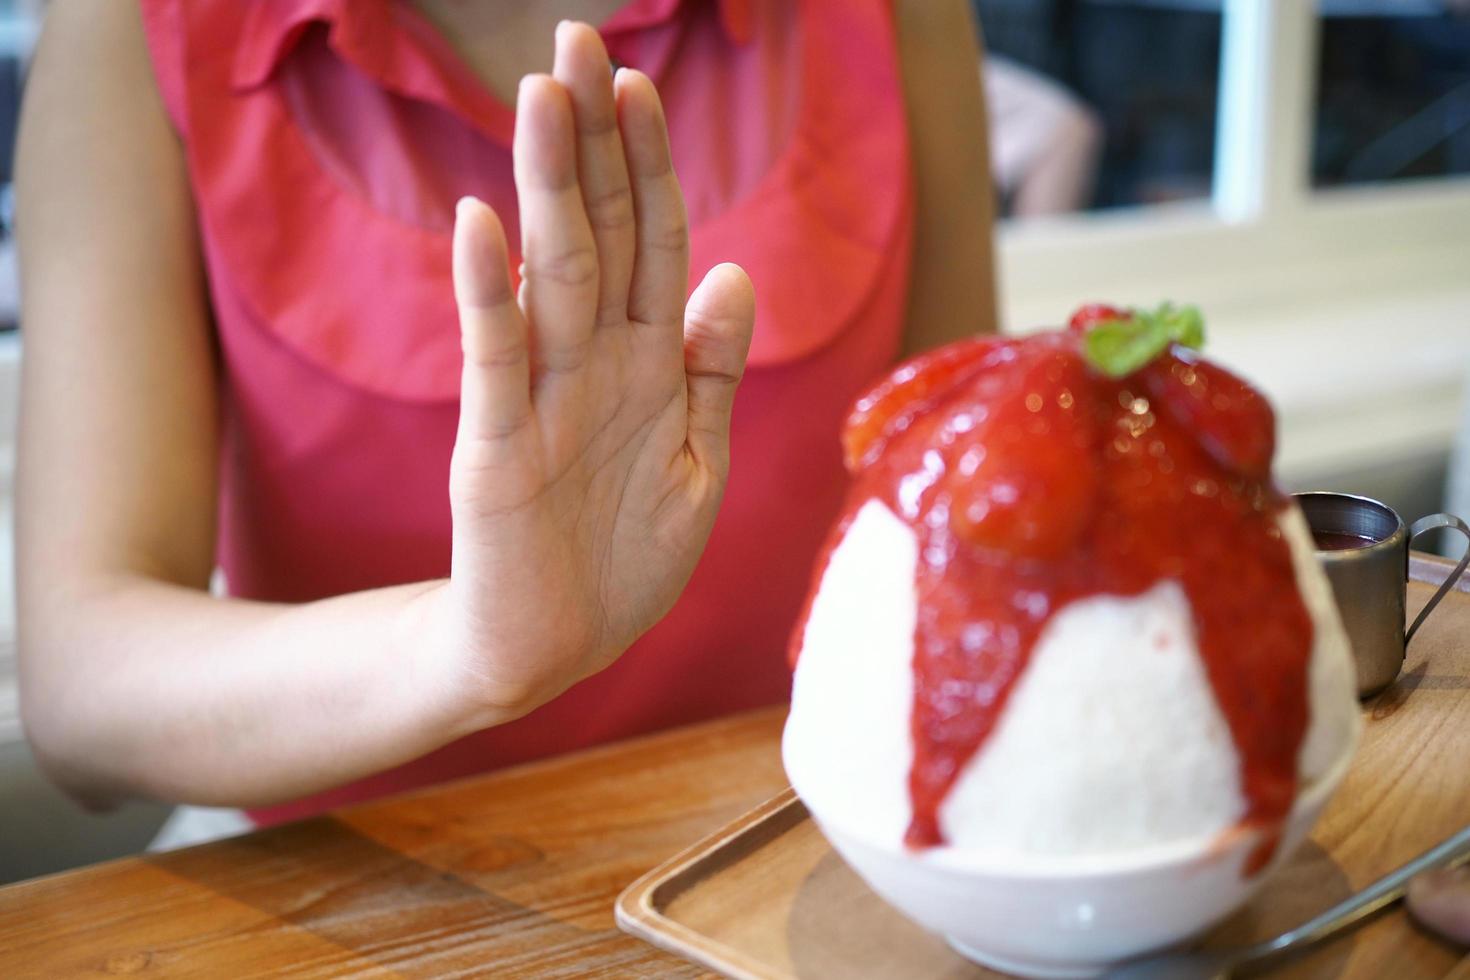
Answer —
140 688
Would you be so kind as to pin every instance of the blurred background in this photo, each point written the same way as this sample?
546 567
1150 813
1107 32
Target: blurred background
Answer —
1131 88
1299 169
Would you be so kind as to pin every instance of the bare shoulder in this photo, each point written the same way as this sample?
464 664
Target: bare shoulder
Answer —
952 291
118 391
937 38
92 68
934 20
96 153
940 56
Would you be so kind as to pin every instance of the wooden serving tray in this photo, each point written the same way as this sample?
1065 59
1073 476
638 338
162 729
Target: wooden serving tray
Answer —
766 897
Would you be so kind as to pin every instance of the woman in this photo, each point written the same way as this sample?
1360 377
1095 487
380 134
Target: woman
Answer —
242 351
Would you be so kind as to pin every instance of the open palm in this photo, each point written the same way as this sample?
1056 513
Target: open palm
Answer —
593 443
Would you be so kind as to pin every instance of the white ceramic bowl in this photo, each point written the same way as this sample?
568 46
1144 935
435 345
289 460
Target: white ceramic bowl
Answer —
1072 916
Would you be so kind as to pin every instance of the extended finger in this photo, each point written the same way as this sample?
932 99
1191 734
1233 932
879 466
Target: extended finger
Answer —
495 395
582 67
559 256
661 235
717 329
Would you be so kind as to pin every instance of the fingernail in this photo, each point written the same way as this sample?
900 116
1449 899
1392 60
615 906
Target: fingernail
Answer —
464 204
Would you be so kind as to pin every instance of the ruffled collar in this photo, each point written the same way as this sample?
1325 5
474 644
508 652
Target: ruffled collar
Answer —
369 33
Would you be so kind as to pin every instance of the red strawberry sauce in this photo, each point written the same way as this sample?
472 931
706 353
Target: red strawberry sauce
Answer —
1031 481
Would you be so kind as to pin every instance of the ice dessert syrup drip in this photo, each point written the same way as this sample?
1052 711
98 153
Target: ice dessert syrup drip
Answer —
1031 480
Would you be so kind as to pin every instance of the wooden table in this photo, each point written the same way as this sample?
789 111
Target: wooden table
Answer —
516 873
509 874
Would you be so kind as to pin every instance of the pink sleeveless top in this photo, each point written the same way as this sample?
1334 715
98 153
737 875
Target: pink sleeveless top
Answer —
327 141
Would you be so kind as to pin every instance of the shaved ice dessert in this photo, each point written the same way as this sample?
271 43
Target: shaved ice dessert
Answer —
1066 614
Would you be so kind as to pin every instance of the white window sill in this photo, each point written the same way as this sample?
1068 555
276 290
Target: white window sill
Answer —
1359 385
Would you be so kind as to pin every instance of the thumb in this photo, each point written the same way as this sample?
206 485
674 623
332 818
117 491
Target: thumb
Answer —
718 321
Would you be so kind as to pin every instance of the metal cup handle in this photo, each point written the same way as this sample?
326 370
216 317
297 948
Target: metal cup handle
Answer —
1430 523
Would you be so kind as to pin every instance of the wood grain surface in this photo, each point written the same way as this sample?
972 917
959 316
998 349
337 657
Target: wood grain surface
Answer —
512 874
516 873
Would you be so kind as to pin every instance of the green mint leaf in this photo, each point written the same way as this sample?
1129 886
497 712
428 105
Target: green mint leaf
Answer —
1185 324
1120 347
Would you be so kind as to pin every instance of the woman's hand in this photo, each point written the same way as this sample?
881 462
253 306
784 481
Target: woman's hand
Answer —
593 441
590 459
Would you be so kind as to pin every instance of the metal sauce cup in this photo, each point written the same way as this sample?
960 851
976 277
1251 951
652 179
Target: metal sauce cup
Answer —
1370 581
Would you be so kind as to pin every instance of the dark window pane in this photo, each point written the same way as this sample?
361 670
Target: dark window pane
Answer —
1144 72
1393 92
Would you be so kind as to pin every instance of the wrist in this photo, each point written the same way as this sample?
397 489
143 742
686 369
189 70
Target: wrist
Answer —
431 642
456 672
